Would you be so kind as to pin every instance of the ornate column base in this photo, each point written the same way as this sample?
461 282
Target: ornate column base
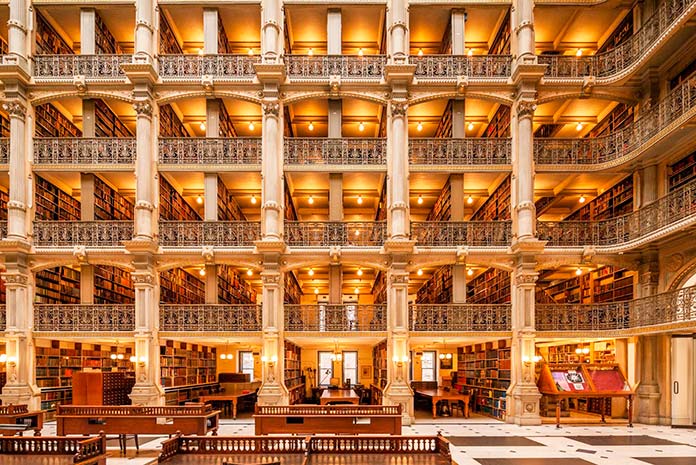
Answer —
147 394
400 394
273 394
524 409
648 404
21 394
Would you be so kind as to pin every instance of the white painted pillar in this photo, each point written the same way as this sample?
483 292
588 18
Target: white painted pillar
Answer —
146 39
458 119
18 43
524 210
272 172
397 38
333 32
523 41
210 196
21 186
210 31
397 170
458 32
146 187
88 31
271 31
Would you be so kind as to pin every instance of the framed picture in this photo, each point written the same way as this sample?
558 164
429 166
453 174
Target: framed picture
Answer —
365 371
445 363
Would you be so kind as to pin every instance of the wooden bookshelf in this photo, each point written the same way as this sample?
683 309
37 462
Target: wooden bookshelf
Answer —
615 201
290 210
499 126
48 41
106 43
490 287
621 34
485 369
4 125
223 42
110 205
173 206
4 198
107 123
53 203
3 51
605 284
437 289
294 380
170 124
441 210
547 130
59 285
113 285
177 286
621 116
50 122
232 288
497 206
169 44
226 125
228 208
444 126
381 213
293 290
102 388
379 371
3 297
185 364
501 43
446 41
682 172
379 288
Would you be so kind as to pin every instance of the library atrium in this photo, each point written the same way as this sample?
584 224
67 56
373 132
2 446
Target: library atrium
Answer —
470 209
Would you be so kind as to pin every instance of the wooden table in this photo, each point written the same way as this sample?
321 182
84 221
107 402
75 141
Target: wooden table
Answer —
233 398
339 395
605 398
440 394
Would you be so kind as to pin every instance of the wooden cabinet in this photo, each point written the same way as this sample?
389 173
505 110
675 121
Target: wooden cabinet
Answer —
490 287
682 172
437 289
615 201
484 370
497 206
102 388
294 380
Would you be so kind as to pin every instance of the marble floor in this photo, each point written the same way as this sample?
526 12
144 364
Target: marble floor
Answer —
482 441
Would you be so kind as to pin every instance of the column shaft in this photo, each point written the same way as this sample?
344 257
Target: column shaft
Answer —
88 32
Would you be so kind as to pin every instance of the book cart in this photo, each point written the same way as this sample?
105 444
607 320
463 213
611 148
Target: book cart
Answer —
589 381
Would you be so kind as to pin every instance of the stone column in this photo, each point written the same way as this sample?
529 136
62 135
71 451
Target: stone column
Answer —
457 214
21 354
397 171
335 196
211 284
458 119
88 31
397 39
146 40
458 32
210 31
86 284
147 389
335 283
524 228
271 31
523 40
21 187
333 32
147 181
272 172
210 196
18 43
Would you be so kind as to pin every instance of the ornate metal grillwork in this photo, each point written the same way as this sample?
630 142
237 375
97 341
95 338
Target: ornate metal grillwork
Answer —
210 151
680 100
218 233
325 233
619 58
90 66
453 233
451 66
3 317
87 233
220 66
4 150
344 151
339 317
675 206
323 66
84 317
82 151
460 317
210 317
480 151
3 229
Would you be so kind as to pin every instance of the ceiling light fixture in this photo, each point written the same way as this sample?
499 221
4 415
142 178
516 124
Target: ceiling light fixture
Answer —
251 125
310 52
469 200
250 272
361 127
470 52
582 198
420 52
311 126
470 126
201 272
419 127
226 355
253 199
420 199
578 272
310 200
316 290
360 52
578 53
360 272
251 51
356 290
360 200
419 272
202 126
200 51
578 127
469 272
311 272
199 199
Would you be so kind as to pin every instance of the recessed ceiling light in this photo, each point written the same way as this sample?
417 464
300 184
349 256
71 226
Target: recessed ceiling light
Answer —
360 52
420 52
582 198
578 53
201 272
419 272
578 127
316 290
360 272
578 272
310 200
250 272
470 200
469 272
253 199
199 199
419 127
310 52
311 272
251 51
202 126
420 199
470 127
251 126
470 52
311 126
361 127
360 200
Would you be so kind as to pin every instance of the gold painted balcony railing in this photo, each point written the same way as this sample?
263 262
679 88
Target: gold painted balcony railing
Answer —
469 151
451 66
84 151
84 317
220 66
4 150
677 206
89 66
210 151
343 151
677 107
324 66
460 317
329 233
209 233
676 307
87 233
455 233
335 317
613 62
210 318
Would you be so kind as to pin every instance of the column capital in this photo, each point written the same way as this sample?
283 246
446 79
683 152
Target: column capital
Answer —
15 109
143 108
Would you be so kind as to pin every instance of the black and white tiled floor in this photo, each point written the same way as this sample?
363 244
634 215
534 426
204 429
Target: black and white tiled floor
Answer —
486 442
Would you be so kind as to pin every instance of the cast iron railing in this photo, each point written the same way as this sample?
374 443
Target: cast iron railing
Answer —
209 233
84 151
89 66
344 151
454 233
470 151
451 66
335 317
345 66
84 317
328 233
87 233
217 66
210 318
210 151
459 317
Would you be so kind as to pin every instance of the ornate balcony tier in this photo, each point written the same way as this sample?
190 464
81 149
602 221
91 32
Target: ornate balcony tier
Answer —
84 151
459 317
625 144
222 66
305 67
86 233
619 61
451 66
481 152
345 151
455 233
673 209
210 318
209 233
4 150
336 318
675 308
84 318
90 66
210 151
326 234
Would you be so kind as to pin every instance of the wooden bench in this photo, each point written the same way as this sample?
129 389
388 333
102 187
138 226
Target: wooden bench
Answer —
294 450
199 419
53 450
20 415
331 419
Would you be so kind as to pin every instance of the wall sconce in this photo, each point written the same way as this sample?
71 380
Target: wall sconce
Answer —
12 361
3 358
447 356
141 361
582 350
132 359
271 362
400 361
528 361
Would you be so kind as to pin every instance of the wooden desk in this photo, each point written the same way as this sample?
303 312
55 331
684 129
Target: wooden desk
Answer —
604 396
339 395
20 415
233 398
440 394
